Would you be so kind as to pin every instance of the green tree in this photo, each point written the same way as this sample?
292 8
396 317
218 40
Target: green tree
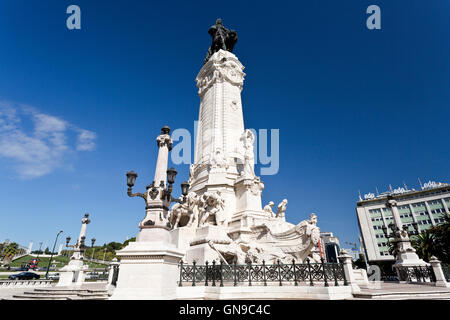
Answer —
392 247
424 243
9 252
128 241
441 240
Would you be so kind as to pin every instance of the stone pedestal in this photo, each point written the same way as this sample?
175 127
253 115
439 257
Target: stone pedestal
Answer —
248 194
181 237
346 260
148 267
72 275
441 281
202 246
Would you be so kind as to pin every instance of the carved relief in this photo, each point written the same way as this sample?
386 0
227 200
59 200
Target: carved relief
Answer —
223 66
211 204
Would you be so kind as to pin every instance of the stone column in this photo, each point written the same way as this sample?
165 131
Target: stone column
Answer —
441 281
346 259
406 254
149 266
392 204
164 142
73 273
156 208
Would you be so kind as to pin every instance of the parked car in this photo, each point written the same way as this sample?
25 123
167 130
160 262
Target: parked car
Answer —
24 276
22 268
92 275
53 276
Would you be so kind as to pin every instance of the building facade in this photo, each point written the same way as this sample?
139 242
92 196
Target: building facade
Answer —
329 246
427 207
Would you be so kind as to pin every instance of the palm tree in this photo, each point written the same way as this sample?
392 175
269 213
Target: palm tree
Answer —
9 252
424 243
441 234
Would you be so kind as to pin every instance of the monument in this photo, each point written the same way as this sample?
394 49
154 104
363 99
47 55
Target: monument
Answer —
406 255
74 272
219 217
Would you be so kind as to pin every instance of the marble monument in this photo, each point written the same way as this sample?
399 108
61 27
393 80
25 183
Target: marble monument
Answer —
220 216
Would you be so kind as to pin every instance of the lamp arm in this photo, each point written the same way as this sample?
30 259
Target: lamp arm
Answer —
136 194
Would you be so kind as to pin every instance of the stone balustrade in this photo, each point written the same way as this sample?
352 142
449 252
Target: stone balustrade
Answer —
6 284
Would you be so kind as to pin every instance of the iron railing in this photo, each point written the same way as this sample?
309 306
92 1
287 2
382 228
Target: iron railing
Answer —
115 271
260 274
416 274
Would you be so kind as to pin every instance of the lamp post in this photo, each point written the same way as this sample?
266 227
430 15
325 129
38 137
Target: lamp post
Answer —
158 195
405 254
93 249
79 247
152 191
104 254
51 256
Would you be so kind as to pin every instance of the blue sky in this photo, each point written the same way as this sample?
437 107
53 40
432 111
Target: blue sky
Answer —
356 109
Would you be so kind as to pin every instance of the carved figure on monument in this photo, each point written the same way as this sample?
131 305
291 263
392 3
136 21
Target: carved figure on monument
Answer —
248 139
268 209
218 160
222 38
211 204
282 208
186 213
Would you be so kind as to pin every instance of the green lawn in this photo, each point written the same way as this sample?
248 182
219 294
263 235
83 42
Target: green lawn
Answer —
59 261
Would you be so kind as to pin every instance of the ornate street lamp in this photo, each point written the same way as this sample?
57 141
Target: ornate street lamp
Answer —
131 178
158 195
93 249
184 188
153 190
171 174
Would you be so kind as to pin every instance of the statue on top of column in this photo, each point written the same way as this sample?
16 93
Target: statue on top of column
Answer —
222 38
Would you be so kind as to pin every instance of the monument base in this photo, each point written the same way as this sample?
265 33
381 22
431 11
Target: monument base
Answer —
202 246
269 292
148 269
409 259
72 275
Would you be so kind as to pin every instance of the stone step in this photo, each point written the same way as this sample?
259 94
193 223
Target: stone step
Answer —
34 297
27 296
69 291
440 295
63 294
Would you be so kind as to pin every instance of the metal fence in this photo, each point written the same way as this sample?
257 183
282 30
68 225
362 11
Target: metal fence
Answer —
260 274
417 274
115 271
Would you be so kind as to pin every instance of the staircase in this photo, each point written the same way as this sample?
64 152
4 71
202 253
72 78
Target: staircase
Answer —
63 293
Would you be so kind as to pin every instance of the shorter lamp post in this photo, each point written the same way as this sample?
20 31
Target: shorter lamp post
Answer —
51 256
104 254
93 249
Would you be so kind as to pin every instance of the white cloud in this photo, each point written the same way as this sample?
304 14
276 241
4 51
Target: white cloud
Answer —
86 140
41 147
